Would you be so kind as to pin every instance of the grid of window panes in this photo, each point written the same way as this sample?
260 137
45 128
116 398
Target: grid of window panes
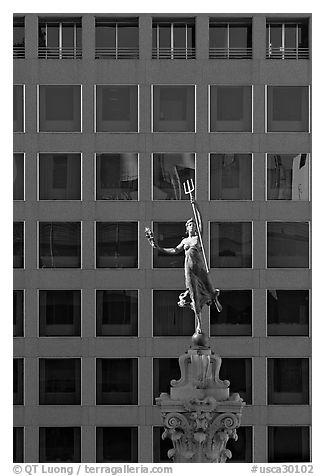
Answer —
113 151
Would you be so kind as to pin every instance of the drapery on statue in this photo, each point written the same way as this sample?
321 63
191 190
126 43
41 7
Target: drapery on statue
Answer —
199 289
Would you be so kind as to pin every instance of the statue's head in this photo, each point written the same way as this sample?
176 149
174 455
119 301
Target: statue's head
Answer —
190 225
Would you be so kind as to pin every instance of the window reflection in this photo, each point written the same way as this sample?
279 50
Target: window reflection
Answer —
287 312
230 176
18 177
288 177
169 173
236 315
117 245
287 245
231 245
117 176
117 312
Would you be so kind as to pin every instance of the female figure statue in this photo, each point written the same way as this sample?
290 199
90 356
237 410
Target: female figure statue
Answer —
199 289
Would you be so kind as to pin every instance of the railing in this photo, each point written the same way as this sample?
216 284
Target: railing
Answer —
116 53
230 53
287 53
45 52
19 51
173 53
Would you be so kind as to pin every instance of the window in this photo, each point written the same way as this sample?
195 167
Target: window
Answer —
287 245
116 381
117 38
59 313
116 313
170 171
59 38
116 444
59 108
287 109
173 108
60 381
19 108
18 444
18 314
288 443
59 244
288 381
117 245
59 176
18 381
231 244
18 244
287 39
160 446
173 38
168 318
230 176
168 235
18 177
236 315
241 449
230 40
117 176
288 176
117 108
230 108
239 372
287 312
19 37
60 444
164 370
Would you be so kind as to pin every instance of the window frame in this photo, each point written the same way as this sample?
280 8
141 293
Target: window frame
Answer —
22 383
251 86
24 108
237 200
24 245
282 52
77 50
38 131
24 442
189 51
24 177
270 384
268 426
38 177
24 314
57 426
120 426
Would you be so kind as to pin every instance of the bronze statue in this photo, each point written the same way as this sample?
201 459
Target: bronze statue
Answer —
199 289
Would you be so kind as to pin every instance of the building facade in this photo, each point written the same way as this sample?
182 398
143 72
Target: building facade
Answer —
112 113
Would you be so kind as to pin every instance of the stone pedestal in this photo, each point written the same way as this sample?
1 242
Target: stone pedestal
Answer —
200 415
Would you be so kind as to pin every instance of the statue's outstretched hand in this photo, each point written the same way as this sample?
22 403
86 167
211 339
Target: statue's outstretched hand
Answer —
150 237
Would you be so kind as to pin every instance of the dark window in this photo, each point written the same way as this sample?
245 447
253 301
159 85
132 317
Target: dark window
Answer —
239 372
18 308
18 381
288 381
164 370
59 176
117 176
160 446
60 381
287 245
18 444
59 108
116 108
59 245
230 40
170 171
117 245
236 315
230 108
18 177
173 108
288 176
242 448
173 39
18 108
287 40
18 244
59 313
231 245
288 444
19 37
117 313
60 444
117 38
287 312
59 38
230 176
287 109
116 444
170 319
168 235
117 382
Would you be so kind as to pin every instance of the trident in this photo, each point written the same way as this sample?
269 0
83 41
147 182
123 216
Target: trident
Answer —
188 189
